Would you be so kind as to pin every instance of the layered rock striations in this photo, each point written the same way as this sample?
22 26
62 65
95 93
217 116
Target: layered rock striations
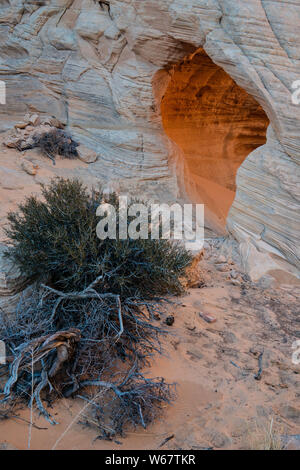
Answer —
105 71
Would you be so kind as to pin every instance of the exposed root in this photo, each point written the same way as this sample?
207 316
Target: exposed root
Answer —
41 358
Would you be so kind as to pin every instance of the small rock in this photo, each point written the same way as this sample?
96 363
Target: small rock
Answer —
34 119
24 144
170 320
218 439
20 125
39 130
86 155
12 141
223 268
207 318
235 282
29 167
52 122
26 132
234 274
246 277
12 179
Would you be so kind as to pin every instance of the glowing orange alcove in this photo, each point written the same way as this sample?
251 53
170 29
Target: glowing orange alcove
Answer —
216 124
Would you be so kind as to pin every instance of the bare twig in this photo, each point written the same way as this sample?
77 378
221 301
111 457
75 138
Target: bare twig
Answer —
167 439
260 370
108 334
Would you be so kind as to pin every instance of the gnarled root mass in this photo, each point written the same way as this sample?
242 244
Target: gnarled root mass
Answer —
95 349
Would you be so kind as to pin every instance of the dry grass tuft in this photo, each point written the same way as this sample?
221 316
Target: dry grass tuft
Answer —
266 436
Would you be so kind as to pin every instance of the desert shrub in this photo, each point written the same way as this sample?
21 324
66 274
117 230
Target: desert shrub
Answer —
55 239
56 142
87 325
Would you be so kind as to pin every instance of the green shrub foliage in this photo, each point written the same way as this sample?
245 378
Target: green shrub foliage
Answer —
54 240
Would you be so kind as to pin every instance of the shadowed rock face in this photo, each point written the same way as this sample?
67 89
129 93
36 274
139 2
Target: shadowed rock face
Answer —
104 75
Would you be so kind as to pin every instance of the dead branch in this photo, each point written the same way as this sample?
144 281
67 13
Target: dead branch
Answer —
62 343
88 293
93 339
260 370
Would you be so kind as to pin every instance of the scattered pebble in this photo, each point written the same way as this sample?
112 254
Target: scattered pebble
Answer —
29 168
86 154
170 320
34 119
234 274
20 125
223 268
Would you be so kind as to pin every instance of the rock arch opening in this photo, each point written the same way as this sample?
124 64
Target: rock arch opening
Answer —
216 124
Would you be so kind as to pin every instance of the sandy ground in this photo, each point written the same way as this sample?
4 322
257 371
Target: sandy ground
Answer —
219 402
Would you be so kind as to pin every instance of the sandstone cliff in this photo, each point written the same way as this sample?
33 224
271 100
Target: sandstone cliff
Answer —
104 73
